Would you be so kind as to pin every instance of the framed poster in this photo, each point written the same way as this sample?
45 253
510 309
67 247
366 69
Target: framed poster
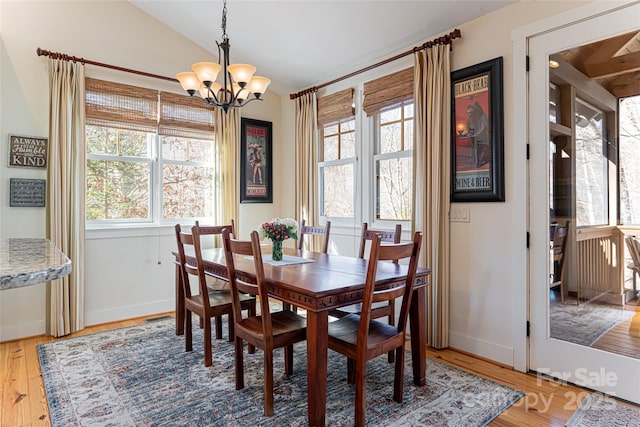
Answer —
477 138
256 161
27 151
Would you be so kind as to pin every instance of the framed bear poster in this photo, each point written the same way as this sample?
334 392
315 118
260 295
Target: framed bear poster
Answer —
477 147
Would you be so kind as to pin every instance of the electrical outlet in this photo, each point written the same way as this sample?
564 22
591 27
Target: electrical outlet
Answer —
459 214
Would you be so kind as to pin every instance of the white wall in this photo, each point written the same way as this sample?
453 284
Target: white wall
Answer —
129 273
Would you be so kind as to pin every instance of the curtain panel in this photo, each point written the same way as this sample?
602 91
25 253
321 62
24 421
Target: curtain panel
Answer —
65 212
432 92
307 162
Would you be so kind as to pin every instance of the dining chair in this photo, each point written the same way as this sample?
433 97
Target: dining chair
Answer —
559 251
214 284
361 338
311 230
380 310
266 331
205 304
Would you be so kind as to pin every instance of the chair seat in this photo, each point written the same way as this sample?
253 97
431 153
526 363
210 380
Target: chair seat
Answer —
345 331
219 299
282 322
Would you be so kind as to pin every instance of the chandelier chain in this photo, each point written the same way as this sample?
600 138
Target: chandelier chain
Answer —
224 21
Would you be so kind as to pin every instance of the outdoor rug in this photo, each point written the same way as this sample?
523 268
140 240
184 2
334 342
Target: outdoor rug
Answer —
600 411
585 323
141 376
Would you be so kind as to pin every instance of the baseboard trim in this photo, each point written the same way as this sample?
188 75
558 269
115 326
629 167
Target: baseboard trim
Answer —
128 312
25 330
481 348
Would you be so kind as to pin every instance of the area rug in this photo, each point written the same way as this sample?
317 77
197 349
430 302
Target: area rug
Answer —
585 323
598 411
141 376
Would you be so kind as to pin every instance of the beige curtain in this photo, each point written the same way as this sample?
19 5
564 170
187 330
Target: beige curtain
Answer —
227 130
66 194
307 161
431 164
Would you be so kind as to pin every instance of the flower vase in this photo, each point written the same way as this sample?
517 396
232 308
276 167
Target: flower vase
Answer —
276 250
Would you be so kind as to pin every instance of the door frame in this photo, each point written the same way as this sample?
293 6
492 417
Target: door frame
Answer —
520 39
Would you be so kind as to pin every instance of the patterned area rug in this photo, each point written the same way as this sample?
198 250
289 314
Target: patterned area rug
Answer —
598 411
583 324
141 375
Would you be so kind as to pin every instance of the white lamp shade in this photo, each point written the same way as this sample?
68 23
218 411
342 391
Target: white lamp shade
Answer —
241 73
259 84
206 71
188 80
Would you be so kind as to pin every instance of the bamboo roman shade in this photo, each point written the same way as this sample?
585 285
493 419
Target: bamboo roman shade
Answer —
135 108
388 91
185 117
124 106
336 107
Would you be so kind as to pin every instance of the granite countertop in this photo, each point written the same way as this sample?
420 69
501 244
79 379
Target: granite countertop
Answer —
25 262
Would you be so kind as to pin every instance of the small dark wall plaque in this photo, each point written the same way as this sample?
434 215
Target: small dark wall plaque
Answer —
27 192
27 151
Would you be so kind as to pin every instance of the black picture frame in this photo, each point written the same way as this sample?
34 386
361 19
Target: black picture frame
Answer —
256 172
477 133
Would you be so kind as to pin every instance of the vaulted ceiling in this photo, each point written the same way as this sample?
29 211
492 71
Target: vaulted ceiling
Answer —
612 63
301 43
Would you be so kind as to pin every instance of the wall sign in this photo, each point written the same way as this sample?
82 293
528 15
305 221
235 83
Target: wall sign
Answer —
27 192
27 151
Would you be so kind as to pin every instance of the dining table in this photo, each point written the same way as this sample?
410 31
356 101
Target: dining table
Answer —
319 283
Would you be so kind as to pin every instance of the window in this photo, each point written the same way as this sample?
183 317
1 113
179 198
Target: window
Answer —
150 156
629 165
592 194
393 164
337 169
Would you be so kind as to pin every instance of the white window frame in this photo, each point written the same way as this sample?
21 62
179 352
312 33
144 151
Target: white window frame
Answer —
374 157
156 194
339 221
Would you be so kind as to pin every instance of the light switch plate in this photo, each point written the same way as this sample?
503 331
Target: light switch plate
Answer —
459 214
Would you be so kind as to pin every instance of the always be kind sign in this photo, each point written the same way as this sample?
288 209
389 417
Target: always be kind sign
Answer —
27 151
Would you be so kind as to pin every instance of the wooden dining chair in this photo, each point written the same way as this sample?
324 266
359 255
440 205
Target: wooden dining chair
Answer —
311 230
205 304
361 338
266 331
380 310
214 284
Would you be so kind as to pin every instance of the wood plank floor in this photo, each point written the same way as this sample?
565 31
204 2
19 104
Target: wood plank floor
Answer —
618 340
23 401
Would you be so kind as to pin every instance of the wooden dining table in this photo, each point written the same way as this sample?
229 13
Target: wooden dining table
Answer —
326 283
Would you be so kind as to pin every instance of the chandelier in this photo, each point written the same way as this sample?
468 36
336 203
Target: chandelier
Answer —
239 85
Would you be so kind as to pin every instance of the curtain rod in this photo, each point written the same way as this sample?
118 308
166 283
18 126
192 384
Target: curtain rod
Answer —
64 56
446 39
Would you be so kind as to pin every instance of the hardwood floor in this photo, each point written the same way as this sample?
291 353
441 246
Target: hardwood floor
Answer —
23 401
618 340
